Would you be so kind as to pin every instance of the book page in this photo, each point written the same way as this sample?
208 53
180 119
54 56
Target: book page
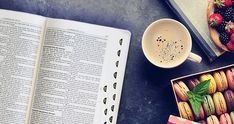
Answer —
77 61
20 38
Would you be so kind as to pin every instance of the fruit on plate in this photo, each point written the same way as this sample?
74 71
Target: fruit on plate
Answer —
220 17
223 3
215 20
229 27
224 38
221 28
228 13
232 38
230 45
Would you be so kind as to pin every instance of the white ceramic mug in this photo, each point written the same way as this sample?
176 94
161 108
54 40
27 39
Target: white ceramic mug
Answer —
164 37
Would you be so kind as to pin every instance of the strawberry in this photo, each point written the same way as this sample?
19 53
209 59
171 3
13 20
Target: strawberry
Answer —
232 38
215 20
229 27
223 3
230 46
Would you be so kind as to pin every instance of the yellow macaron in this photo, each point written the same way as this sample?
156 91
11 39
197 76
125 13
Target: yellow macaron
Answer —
220 103
185 111
212 120
212 87
221 80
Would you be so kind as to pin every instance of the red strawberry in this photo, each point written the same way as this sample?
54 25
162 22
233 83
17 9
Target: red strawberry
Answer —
229 27
223 3
215 20
230 46
232 38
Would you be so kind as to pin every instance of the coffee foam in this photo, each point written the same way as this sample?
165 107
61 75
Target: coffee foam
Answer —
169 51
168 44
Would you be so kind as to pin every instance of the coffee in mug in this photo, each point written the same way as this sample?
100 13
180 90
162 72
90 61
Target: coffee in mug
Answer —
167 43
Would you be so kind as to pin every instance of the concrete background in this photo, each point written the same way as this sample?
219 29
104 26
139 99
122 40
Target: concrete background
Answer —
147 95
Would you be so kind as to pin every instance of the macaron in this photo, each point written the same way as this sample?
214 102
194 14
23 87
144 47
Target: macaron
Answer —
229 97
219 102
212 120
225 119
221 80
232 116
230 78
202 122
185 111
192 83
181 90
212 87
208 105
201 114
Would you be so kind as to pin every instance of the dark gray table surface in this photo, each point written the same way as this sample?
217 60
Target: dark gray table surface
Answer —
147 97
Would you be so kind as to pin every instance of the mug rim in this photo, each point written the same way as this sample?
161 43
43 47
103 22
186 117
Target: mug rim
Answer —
186 33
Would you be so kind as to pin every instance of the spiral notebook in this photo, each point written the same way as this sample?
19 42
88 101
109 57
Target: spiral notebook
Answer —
55 71
194 15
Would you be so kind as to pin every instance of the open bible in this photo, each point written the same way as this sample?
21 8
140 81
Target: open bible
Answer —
59 71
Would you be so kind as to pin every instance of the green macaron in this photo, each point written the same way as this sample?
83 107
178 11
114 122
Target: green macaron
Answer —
208 105
232 116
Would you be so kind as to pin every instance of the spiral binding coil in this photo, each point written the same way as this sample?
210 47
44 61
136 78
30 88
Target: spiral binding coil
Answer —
114 86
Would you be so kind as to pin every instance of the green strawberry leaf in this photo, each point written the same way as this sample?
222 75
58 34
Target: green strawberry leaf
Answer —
202 87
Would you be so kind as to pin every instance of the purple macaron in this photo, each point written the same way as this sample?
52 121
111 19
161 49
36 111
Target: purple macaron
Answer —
229 97
192 83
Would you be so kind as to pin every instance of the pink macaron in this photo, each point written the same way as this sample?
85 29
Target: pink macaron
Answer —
201 114
225 119
230 78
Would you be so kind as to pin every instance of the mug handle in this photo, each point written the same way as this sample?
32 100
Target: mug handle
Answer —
194 57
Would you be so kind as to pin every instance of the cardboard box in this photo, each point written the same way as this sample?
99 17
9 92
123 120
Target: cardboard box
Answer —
194 75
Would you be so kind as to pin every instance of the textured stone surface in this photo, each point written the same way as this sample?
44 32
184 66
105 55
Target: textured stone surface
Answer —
147 96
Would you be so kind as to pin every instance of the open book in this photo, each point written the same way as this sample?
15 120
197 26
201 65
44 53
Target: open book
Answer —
59 71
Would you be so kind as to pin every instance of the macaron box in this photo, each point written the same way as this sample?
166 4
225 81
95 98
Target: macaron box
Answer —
217 106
